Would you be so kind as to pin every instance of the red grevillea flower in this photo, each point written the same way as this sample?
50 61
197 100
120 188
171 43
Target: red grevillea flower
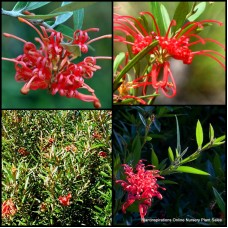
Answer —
140 186
102 154
65 200
50 66
8 208
177 46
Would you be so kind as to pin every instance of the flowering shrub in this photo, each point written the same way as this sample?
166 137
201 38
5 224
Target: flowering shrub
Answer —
51 65
157 48
62 181
142 168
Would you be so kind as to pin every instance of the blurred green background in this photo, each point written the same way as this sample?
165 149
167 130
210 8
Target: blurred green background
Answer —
202 82
95 16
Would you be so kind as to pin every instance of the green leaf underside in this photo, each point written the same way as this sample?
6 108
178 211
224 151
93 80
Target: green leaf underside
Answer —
188 169
63 17
43 17
199 134
134 61
199 10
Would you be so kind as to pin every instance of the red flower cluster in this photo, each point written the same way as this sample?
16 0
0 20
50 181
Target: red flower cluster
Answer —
141 186
23 151
8 208
102 154
50 66
176 46
65 200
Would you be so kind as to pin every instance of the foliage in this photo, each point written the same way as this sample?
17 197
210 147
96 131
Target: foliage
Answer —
48 154
152 133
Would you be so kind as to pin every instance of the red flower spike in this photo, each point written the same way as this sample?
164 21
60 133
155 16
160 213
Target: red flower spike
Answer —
141 186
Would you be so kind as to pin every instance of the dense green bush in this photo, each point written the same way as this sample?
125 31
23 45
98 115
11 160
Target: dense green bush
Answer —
49 154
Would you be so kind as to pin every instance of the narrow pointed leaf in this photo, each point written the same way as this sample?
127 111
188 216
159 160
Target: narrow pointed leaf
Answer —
20 6
170 154
73 6
188 169
36 5
211 133
178 137
142 119
119 58
219 200
131 64
154 161
199 134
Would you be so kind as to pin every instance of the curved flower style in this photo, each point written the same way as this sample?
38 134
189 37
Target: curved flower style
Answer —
140 186
65 200
8 208
50 67
177 46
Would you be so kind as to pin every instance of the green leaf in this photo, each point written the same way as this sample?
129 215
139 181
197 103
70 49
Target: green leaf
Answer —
165 17
78 16
219 200
119 58
20 6
217 165
180 15
134 61
74 49
43 17
188 169
26 183
63 17
199 10
154 161
36 5
211 133
199 134
170 154
155 9
65 30
178 137
72 6
219 139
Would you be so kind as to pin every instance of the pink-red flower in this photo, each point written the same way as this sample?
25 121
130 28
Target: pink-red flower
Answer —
141 186
102 154
50 67
177 46
8 208
65 200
